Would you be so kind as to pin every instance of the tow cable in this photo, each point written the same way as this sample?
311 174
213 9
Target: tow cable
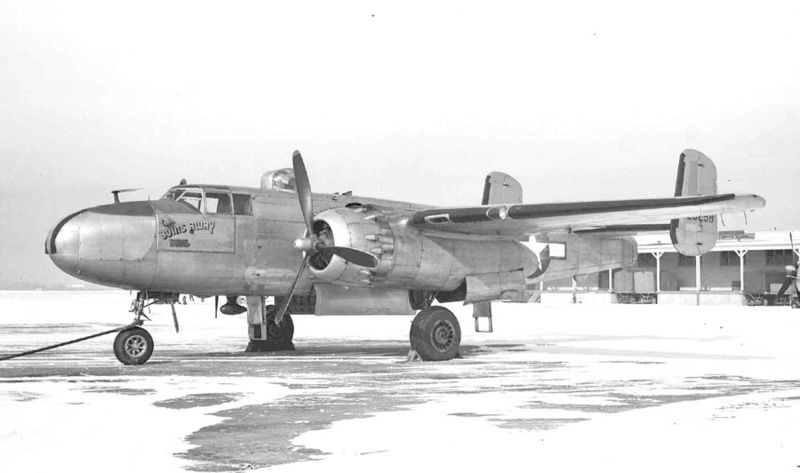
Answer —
135 323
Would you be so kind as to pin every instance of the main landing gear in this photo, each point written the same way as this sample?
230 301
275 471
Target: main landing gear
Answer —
435 334
265 334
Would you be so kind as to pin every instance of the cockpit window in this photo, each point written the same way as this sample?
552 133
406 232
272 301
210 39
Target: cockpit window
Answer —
191 197
173 194
242 205
218 203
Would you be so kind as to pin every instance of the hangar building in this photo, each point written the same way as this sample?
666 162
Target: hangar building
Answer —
744 267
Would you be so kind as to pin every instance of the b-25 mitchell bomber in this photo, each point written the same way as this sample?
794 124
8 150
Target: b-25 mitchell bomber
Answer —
339 254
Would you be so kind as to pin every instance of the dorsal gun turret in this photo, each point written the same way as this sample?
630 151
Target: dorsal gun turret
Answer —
279 180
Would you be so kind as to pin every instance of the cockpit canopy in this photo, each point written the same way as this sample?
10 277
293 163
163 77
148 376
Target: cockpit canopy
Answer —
279 180
219 200
211 200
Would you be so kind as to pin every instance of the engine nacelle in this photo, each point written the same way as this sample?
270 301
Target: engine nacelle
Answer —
408 258
348 227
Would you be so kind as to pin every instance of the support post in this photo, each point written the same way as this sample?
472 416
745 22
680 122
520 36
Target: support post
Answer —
698 274
574 289
657 255
610 280
482 310
740 254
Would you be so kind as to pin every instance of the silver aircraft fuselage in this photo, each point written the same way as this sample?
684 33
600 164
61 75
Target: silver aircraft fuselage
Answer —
166 246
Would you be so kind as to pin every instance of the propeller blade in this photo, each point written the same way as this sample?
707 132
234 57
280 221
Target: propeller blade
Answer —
216 305
288 297
785 286
361 258
303 190
358 257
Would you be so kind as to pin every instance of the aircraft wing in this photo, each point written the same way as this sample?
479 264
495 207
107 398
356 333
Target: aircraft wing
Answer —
589 217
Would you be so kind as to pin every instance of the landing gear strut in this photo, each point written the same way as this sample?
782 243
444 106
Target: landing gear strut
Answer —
435 334
268 336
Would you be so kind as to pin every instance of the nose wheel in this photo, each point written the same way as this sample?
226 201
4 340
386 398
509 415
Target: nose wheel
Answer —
133 346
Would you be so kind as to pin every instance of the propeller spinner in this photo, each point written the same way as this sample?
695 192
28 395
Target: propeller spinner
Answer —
312 244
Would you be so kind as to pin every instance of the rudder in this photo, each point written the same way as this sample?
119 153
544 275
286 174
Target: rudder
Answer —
500 188
697 175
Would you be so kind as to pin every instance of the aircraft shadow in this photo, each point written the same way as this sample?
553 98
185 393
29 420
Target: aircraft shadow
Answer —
366 348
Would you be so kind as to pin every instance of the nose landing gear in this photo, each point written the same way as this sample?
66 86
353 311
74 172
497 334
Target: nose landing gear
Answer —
134 345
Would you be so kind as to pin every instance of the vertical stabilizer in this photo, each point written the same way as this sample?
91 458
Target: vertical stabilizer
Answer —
500 188
697 175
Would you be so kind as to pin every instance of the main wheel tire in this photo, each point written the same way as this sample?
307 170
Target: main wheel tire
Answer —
279 334
435 334
133 346
279 337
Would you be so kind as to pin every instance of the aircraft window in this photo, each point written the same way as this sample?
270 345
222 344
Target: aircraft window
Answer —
438 218
218 203
241 204
173 194
192 199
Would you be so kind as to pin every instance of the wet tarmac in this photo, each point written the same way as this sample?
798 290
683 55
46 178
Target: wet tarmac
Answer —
249 411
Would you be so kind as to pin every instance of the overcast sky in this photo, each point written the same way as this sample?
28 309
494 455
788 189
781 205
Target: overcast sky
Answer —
403 100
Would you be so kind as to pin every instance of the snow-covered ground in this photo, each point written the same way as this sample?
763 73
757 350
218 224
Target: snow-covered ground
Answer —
555 388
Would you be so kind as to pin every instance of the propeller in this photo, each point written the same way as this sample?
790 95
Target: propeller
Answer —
791 271
303 190
312 244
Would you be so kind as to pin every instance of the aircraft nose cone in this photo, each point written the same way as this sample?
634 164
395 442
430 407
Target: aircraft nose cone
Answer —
107 244
62 244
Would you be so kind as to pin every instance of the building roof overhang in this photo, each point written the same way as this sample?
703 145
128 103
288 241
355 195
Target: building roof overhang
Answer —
728 241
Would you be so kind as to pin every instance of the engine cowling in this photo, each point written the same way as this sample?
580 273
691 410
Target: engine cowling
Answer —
353 227
408 258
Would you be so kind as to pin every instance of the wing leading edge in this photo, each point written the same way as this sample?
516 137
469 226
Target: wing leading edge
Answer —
527 219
